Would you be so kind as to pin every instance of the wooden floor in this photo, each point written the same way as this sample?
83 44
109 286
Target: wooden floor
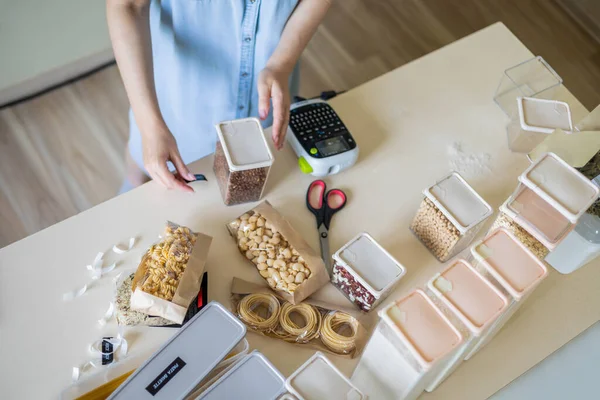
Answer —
62 152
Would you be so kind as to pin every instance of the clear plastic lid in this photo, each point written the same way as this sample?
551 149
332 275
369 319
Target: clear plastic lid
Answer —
254 377
187 358
422 327
459 202
537 216
319 379
544 116
244 144
561 185
370 263
508 260
475 301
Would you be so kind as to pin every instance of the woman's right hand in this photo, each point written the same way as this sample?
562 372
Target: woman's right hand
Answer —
159 147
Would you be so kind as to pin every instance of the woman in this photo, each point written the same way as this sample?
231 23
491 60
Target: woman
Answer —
188 64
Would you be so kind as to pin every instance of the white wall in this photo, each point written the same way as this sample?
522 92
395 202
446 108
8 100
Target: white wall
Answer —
44 42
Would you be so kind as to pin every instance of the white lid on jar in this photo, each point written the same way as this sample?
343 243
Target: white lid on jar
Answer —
561 185
459 202
370 264
544 116
244 144
319 379
422 327
474 300
508 260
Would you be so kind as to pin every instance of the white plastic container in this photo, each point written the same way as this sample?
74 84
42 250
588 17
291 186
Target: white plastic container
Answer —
531 78
580 247
254 377
561 185
450 216
319 379
510 266
187 358
243 160
536 119
475 301
411 338
365 272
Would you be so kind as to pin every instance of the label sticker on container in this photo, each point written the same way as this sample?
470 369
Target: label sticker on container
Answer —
165 376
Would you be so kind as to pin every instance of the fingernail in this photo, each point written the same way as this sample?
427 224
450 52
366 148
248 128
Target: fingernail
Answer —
262 114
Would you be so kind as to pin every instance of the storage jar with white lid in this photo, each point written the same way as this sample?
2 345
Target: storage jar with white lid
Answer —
449 217
536 119
243 160
254 377
365 272
561 185
512 268
474 300
411 338
319 379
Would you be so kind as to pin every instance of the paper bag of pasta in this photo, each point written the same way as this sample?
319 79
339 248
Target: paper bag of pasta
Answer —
281 256
170 273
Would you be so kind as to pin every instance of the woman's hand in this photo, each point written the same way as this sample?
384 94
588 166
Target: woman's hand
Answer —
159 147
273 85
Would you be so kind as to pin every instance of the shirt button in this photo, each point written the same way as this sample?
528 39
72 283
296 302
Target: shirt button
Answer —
244 74
248 39
241 107
252 1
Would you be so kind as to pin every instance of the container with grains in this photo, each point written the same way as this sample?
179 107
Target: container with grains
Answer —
449 217
365 272
243 160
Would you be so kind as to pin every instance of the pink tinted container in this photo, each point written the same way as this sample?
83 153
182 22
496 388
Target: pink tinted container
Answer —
512 268
474 300
412 337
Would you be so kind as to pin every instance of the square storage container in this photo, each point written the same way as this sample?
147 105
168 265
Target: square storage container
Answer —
531 78
365 272
475 301
243 160
319 379
536 119
411 338
512 268
580 247
254 377
449 217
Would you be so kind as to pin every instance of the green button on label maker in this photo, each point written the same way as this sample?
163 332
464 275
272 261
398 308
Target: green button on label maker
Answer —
314 151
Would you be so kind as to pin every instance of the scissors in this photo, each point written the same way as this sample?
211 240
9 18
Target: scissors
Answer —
323 205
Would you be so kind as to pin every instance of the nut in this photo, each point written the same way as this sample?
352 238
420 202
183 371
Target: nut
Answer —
300 277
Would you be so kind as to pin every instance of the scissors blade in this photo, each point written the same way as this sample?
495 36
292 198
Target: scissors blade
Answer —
324 243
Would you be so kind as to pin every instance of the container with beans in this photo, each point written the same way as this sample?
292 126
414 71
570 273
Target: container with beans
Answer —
546 205
365 272
242 160
449 217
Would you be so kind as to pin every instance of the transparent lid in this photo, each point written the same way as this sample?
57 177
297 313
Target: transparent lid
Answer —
254 377
422 327
187 358
370 263
473 298
244 144
544 116
319 379
510 262
459 202
561 185
538 217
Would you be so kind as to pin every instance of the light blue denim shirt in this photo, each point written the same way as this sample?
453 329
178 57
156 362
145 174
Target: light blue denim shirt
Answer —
207 55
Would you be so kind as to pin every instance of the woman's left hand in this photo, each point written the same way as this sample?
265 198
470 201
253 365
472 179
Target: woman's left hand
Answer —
273 84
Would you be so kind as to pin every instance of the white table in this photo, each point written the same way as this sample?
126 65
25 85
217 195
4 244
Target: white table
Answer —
406 122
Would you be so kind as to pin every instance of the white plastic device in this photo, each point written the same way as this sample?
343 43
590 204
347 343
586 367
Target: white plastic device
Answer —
321 141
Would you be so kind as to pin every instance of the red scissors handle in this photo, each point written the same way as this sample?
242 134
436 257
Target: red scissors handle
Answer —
324 204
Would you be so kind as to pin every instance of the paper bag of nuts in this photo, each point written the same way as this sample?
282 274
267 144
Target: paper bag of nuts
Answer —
169 275
310 323
282 257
